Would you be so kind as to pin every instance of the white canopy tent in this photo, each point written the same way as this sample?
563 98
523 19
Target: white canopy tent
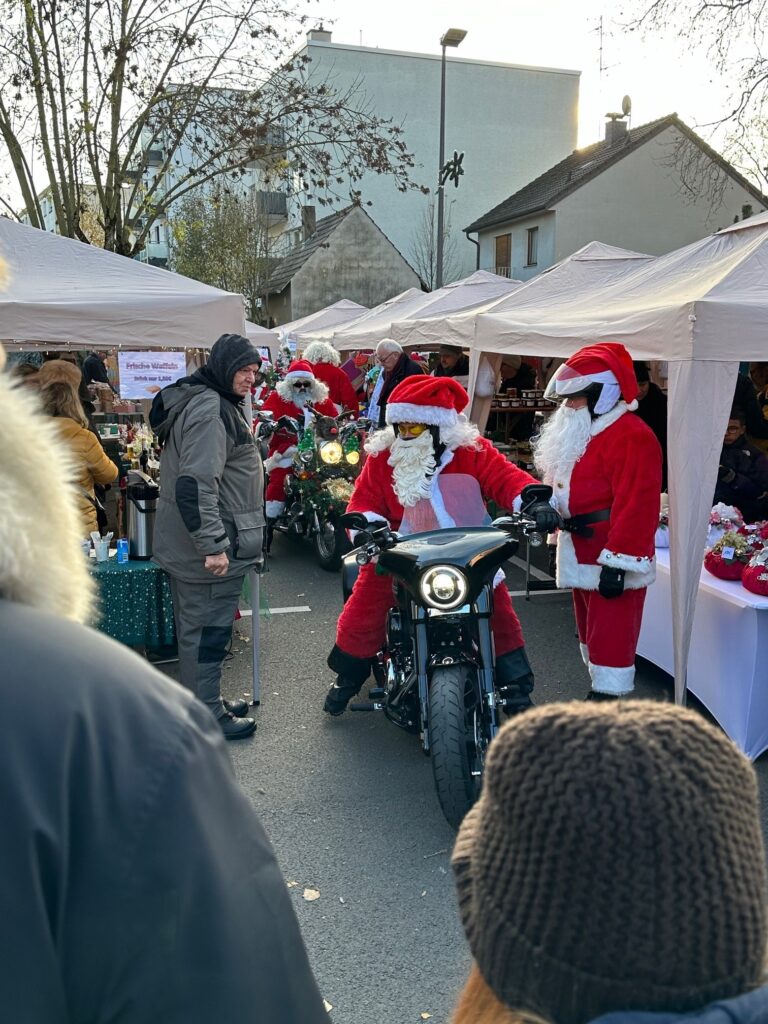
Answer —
702 308
260 335
320 326
368 329
64 293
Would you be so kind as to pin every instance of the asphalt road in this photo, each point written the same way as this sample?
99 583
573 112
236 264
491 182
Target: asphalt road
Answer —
349 802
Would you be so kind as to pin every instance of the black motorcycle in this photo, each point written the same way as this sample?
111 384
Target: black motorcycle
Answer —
436 674
325 464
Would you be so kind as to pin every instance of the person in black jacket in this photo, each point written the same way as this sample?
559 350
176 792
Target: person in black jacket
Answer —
95 369
451 362
652 410
742 476
395 367
137 883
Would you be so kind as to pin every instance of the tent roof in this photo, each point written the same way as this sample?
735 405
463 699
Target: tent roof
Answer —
66 293
373 326
324 320
704 301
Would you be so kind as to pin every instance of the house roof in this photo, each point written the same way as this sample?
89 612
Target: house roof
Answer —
287 268
584 164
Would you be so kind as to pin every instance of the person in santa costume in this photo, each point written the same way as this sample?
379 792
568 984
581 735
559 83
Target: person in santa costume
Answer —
326 366
429 470
292 397
604 467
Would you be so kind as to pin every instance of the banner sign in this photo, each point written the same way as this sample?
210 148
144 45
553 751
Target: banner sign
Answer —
143 374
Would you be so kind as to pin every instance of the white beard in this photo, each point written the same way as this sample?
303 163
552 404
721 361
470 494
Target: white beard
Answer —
317 393
562 443
413 463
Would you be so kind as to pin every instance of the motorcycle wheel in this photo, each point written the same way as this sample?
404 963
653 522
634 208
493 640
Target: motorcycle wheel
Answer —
330 546
453 731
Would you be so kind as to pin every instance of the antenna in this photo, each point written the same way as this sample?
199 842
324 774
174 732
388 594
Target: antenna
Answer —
626 106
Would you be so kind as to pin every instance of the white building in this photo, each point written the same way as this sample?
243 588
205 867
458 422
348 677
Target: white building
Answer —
652 189
510 121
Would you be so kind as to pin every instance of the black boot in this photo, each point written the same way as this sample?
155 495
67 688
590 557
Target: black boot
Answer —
514 682
269 533
238 708
352 673
598 695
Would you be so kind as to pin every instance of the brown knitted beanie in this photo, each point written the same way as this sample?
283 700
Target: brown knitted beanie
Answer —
613 862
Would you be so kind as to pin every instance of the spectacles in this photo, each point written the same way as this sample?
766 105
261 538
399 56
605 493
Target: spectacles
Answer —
302 385
417 429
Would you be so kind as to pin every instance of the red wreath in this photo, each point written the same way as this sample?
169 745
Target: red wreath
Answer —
724 570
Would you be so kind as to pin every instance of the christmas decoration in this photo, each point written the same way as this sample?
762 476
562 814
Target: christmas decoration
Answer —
728 556
755 576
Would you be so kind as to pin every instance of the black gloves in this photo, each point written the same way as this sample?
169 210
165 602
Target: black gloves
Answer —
725 475
534 502
611 582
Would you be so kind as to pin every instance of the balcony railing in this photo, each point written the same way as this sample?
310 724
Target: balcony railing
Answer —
273 204
502 271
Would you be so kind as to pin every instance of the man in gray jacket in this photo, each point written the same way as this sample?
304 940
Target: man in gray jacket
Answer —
209 528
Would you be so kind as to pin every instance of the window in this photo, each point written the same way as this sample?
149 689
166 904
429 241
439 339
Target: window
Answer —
532 250
503 254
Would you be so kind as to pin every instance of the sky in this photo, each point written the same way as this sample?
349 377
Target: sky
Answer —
658 74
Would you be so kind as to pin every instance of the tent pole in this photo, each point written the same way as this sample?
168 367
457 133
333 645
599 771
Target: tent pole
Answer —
255 604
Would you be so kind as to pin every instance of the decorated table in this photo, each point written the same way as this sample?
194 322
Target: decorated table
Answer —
728 660
134 602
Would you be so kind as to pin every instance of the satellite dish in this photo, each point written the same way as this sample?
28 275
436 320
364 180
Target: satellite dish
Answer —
626 106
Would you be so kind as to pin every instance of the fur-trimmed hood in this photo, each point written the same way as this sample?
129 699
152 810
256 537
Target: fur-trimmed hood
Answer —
41 559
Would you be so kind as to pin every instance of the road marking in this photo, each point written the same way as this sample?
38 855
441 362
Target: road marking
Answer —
537 593
536 573
278 611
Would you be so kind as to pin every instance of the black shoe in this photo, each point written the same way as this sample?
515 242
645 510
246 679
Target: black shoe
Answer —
236 728
598 695
514 703
238 708
339 695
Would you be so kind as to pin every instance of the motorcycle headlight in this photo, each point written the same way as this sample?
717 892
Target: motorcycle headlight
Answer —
306 456
353 458
331 452
444 587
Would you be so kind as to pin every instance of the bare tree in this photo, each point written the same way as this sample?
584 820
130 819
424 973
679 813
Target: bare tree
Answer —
424 246
222 239
145 101
734 34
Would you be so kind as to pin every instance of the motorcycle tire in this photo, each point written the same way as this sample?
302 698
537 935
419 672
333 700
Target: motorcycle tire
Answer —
452 740
330 546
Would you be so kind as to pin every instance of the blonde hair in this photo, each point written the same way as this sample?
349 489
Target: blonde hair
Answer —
60 399
478 1004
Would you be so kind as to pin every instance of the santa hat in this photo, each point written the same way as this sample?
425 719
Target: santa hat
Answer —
300 368
437 401
607 363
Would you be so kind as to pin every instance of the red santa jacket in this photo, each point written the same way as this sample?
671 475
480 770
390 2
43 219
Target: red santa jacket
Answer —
620 471
499 480
340 388
281 441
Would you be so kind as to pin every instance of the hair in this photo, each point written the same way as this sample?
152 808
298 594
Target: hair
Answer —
737 413
25 370
387 346
321 352
478 1004
60 399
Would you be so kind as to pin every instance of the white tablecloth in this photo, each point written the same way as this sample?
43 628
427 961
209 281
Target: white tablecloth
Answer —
728 661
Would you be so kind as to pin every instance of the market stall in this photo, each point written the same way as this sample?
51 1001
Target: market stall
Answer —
320 326
701 308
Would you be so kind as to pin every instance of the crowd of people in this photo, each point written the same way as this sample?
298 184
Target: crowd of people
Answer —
613 869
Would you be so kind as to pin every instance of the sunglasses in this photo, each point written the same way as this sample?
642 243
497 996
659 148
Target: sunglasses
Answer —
301 385
417 429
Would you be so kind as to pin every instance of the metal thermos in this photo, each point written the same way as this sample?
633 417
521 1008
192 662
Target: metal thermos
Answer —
141 501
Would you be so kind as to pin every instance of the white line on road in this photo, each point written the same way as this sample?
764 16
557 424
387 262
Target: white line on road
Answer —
536 573
537 593
278 611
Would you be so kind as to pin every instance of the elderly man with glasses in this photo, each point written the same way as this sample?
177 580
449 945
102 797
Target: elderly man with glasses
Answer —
395 367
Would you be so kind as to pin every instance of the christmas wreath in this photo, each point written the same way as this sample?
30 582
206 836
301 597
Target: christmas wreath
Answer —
728 556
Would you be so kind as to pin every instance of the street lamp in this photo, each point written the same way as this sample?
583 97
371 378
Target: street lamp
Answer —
452 37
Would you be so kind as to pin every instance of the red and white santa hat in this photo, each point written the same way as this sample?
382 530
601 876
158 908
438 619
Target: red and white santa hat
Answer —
607 363
300 368
437 401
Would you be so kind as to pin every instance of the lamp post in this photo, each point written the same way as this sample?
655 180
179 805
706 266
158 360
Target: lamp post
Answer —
452 37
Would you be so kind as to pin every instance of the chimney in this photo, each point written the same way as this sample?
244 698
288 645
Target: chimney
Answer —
318 35
308 222
615 128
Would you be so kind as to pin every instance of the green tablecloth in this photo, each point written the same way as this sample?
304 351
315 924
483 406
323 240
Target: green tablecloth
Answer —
134 602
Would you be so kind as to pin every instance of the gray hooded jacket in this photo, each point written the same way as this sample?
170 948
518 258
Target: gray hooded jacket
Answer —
211 476
750 1008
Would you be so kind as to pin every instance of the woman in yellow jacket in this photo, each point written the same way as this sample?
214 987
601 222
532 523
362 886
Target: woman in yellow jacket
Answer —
91 463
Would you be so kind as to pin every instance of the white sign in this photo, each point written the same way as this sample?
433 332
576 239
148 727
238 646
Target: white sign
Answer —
143 374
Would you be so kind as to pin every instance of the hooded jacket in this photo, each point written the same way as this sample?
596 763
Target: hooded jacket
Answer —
750 1008
211 476
137 883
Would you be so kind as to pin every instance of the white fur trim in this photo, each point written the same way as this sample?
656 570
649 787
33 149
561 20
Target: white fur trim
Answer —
633 405
280 460
433 415
444 520
601 423
274 508
299 373
608 679
380 441
584 654
585 576
629 563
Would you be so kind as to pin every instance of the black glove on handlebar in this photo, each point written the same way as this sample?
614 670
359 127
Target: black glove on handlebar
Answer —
611 582
546 518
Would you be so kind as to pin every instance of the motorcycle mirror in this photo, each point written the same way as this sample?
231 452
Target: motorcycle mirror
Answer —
535 492
266 415
353 521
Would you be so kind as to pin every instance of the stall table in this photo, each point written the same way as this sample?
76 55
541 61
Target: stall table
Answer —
134 602
729 651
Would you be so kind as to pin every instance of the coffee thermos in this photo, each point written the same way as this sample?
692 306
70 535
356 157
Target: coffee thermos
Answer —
141 503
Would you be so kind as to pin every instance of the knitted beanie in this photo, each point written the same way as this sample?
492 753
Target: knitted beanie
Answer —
613 862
